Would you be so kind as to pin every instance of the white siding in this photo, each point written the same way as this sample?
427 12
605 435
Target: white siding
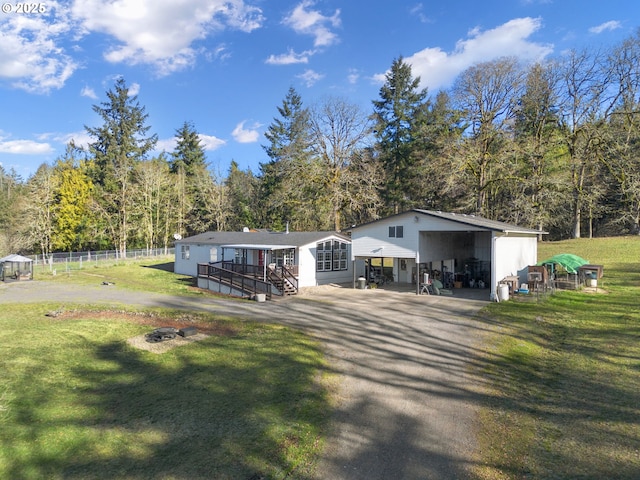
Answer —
513 254
373 240
307 266
197 254
309 277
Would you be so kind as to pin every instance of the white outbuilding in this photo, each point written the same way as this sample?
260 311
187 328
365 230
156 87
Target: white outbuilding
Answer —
459 250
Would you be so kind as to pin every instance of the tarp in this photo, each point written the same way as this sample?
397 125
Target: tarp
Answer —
570 262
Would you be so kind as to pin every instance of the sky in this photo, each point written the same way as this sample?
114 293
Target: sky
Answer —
226 65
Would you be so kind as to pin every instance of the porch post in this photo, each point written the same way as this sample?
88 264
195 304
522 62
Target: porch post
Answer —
418 271
353 268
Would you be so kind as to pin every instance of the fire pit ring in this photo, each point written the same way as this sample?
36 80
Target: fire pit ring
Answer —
161 334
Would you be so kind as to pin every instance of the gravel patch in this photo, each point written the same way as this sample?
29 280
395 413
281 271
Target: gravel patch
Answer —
163 347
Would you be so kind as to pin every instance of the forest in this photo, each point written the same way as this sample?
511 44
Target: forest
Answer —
552 146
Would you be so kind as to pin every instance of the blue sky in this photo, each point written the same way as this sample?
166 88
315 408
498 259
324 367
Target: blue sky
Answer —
226 65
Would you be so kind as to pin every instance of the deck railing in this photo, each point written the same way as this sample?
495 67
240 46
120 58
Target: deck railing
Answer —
250 278
234 277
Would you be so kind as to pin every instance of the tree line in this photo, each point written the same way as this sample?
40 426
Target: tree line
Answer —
553 146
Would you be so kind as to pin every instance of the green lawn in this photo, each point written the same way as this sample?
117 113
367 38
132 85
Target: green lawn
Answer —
140 275
563 373
77 401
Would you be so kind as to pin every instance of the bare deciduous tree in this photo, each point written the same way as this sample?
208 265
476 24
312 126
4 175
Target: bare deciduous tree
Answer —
339 131
486 94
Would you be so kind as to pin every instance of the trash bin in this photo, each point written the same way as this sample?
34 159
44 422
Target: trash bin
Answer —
362 283
503 292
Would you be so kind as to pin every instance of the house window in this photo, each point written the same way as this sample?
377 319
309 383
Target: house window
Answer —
184 250
283 257
240 256
331 256
396 232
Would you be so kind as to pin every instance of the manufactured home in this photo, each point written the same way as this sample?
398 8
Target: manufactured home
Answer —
262 262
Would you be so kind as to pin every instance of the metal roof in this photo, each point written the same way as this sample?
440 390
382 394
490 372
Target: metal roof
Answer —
251 246
481 222
15 258
261 240
467 219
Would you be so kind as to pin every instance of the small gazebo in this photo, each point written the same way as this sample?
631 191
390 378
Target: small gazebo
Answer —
16 267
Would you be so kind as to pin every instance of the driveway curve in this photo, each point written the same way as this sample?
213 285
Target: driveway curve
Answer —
408 395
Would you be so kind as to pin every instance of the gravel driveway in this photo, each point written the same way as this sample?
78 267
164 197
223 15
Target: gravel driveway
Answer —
408 396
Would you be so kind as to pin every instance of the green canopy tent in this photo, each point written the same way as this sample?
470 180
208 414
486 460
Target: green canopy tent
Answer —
568 261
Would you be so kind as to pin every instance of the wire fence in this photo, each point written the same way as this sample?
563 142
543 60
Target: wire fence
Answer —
68 261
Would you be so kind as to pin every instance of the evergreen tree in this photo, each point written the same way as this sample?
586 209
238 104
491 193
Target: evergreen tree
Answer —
434 183
397 115
74 220
188 164
241 189
189 153
118 145
285 178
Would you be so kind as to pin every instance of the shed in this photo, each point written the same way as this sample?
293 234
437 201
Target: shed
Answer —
16 267
463 250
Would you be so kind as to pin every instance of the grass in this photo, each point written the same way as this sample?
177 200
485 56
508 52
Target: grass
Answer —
137 275
77 401
563 400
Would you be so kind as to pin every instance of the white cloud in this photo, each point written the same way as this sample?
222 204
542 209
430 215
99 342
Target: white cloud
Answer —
162 32
310 77
166 145
289 58
606 26
220 52
312 22
353 76
31 57
418 11
24 147
88 92
81 139
242 135
210 142
437 68
134 89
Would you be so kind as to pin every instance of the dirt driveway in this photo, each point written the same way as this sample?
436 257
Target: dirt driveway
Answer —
408 395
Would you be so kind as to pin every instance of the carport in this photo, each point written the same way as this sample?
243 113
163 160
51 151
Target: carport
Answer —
462 250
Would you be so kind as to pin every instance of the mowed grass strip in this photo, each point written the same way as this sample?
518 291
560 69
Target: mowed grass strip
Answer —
564 375
154 275
78 401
